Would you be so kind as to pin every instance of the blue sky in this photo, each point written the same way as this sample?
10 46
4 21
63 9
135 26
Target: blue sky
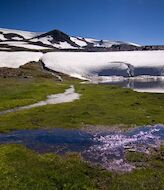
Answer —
140 21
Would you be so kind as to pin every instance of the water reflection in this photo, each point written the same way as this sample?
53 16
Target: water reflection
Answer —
106 148
152 85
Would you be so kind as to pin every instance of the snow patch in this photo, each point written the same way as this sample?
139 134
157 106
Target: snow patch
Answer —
64 45
17 38
90 64
79 42
45 40
2 37
16 59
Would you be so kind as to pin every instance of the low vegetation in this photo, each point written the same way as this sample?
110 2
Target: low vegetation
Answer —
98 105
22 169
27 85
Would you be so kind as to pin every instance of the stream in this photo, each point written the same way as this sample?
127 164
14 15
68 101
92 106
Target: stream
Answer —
68 96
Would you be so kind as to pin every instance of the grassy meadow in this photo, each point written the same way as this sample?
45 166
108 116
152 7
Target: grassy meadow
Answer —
99 105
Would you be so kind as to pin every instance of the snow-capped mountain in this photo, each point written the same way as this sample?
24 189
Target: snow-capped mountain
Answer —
55 40
79 57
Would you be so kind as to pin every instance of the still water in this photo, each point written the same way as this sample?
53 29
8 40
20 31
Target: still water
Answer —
151 85
106 148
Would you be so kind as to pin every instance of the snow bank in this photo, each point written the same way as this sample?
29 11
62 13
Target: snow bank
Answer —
84 64
91 64
16 59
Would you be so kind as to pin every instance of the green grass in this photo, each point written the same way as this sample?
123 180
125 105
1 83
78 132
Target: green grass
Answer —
98 105
22 169
18 92
30 84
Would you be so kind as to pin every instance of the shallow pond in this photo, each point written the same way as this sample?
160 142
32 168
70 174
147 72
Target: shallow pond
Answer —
106 148
151 85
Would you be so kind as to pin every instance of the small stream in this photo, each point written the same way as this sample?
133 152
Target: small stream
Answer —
68 96
106 148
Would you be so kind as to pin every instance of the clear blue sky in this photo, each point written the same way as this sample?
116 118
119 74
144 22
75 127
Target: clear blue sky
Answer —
140 21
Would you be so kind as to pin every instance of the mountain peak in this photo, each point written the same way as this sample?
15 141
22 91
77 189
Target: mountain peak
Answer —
56 39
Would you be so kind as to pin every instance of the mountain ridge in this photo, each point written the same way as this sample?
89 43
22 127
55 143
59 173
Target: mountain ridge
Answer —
56 40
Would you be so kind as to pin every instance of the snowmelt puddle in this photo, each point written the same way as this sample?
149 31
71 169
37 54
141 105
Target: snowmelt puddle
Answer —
140 84
106 148
68 96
